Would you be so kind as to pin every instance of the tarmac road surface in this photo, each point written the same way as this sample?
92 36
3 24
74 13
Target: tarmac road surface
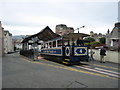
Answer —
21 72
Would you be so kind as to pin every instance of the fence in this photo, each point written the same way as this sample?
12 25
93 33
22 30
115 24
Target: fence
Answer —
27 53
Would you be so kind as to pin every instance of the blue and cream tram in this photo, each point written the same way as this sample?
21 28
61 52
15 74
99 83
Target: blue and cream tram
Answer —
64 50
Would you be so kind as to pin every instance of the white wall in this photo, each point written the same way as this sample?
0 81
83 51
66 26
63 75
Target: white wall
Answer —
1 40
8 44
111 56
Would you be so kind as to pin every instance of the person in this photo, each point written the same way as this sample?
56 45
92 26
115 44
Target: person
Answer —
102 54
80 42
91 54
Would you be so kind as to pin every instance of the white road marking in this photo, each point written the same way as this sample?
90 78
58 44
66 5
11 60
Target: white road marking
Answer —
107 70
103 69
98 71
101 66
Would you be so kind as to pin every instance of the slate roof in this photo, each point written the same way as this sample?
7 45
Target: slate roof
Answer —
74 35
115 33
45 35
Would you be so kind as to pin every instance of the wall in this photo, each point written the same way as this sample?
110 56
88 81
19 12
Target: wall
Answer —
1 40
8 43
111 56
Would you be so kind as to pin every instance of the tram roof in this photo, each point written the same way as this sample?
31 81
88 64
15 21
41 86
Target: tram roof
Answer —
74 35
45 35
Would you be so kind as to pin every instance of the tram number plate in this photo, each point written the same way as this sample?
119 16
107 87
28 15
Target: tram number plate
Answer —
80 51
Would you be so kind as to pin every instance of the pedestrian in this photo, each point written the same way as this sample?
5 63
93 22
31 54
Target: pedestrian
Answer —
80 42
91 53
102 54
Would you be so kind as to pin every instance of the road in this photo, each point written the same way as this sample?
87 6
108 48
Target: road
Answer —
20 72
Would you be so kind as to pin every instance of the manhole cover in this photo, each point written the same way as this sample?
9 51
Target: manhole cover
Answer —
76 84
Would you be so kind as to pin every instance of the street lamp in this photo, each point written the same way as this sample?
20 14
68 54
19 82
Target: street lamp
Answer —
79 28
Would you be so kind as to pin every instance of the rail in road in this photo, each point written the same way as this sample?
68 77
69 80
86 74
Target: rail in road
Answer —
84 67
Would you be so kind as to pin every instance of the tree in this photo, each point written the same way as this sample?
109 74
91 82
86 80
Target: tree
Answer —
102 40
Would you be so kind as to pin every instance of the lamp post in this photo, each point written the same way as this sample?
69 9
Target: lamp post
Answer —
79 28
78 32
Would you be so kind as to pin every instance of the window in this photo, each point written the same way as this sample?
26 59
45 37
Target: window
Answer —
54 43
46 45
50 44
59 43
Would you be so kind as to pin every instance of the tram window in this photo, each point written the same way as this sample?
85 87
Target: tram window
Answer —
41 47
54 43
50 44
46 45
59 43
66 42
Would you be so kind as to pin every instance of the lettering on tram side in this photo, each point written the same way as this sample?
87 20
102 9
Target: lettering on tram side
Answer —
57 51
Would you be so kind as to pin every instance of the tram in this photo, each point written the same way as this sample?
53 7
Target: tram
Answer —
64 51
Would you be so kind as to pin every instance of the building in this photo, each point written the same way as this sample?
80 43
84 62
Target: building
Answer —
8 42
1 40
34 41
47 34
96 36
17 39
62 29
18 44
113 38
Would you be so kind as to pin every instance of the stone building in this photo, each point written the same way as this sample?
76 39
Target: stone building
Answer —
62 29
8 42
96 36
113 38
1 40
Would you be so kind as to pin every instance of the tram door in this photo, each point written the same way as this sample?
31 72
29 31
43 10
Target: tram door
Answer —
66 54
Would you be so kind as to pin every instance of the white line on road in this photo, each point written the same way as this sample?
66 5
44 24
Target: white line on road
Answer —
103 66
103 70
107 70
98 71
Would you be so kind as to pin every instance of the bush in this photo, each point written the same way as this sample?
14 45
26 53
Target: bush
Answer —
87 44
93 44
90 39
102 40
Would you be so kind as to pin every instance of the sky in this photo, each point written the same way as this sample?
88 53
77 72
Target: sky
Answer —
28 17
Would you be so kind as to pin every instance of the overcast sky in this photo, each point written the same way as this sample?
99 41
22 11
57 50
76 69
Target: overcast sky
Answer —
27 17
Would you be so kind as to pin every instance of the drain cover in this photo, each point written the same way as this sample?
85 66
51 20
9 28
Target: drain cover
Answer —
76 84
